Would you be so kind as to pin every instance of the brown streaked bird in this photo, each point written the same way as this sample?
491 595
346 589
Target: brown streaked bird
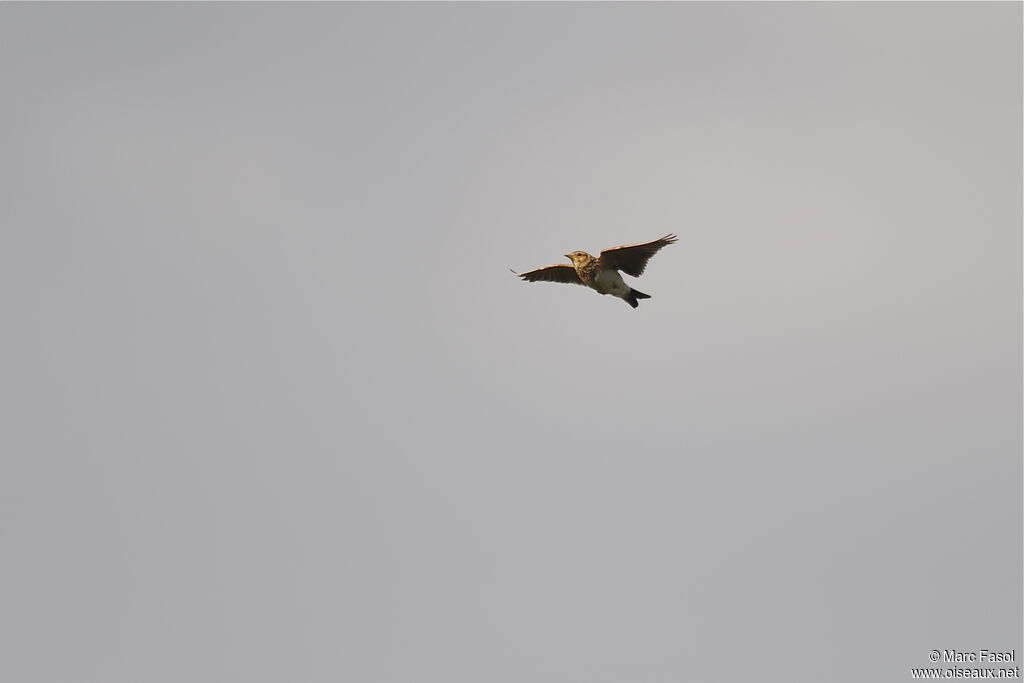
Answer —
601 273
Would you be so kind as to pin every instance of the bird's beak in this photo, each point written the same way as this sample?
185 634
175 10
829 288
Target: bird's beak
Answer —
567 256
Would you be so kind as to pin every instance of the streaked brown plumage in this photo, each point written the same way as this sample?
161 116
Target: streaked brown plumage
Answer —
602 273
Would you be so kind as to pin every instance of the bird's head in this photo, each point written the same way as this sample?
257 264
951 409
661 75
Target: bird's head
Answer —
578 257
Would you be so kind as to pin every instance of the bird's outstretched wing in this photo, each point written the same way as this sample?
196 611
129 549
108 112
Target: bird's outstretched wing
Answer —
632 259
557 273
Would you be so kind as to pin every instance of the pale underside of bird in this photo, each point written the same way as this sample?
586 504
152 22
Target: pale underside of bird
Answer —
601 273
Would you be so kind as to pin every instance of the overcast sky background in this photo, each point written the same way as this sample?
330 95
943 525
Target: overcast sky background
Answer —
275 409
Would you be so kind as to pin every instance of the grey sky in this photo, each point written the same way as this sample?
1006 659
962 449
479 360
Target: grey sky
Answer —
276 410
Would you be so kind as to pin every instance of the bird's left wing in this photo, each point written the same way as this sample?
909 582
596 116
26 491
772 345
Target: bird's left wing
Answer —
557 273
632 259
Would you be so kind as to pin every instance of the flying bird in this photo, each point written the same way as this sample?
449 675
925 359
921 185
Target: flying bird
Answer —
601 273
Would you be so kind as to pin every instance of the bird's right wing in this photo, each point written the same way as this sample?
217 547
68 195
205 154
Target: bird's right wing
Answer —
557 273
632 259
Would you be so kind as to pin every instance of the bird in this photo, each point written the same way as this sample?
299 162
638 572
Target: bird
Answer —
601 273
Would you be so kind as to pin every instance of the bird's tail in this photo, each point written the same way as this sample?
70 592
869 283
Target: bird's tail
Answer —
633 295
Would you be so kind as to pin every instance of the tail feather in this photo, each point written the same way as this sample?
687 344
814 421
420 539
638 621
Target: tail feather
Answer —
633 296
